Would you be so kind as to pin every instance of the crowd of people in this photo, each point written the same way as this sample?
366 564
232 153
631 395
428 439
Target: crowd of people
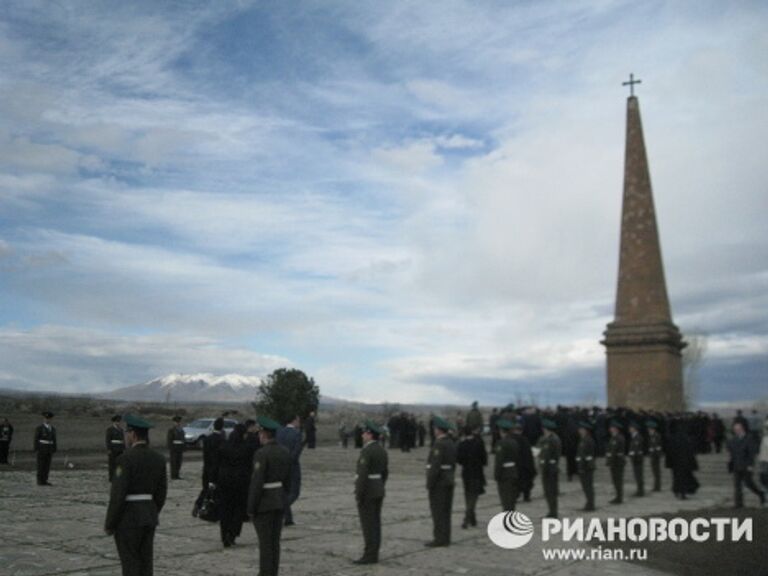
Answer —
254 472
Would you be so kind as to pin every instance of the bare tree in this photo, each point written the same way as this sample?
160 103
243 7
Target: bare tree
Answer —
693 359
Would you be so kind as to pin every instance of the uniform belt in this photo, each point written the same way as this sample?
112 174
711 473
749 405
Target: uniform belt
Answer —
138 497
374 476
508 465
117 442
446 467
45 441
178 441
588 458
269 485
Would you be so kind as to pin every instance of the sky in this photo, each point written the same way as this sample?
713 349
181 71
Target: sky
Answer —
410 201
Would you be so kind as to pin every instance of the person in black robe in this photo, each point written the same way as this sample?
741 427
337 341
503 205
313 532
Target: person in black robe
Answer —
681 459
211 445
473 457
234 475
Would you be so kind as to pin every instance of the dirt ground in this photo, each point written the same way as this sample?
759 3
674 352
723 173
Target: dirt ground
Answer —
58 530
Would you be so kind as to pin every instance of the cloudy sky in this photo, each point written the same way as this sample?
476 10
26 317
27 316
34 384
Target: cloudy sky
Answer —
411 201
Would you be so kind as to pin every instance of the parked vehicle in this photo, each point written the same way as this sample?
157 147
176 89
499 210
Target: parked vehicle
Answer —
195 432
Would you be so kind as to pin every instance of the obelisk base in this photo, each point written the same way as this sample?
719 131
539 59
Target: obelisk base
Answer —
644 366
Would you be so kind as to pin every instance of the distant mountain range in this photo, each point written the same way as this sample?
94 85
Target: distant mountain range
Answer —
198 388
193 388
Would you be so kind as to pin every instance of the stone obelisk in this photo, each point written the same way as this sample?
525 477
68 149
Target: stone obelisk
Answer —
642 344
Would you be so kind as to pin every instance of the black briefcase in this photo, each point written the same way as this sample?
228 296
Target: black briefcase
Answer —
208 509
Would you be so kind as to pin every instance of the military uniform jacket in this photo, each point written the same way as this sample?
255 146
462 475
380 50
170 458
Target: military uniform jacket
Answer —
45 439
550 452
635 452
138 489
115 440
175 438
507 460
372 472
614 453
586 453
474 419
271 467
655 449
6 433
441 464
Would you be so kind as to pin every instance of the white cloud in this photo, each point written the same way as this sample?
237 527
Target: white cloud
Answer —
71 359
446 191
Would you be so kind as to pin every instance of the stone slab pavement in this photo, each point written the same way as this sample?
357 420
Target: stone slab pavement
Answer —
58 530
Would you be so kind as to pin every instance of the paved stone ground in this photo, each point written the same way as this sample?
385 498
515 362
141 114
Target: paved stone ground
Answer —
58 529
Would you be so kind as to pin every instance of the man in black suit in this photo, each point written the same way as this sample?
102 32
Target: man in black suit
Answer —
743 453
289 437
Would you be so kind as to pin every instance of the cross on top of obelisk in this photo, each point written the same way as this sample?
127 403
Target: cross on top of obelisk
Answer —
631 84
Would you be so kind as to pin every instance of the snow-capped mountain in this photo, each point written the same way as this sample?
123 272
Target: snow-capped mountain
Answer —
184 388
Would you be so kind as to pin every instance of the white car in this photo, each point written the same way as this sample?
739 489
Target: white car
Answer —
195 432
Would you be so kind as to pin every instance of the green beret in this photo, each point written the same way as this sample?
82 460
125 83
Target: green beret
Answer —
371 425
442 424
504 424
132 421
267 423
549 424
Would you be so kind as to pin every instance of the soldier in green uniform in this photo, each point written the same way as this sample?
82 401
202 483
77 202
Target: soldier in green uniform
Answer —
506 465
655 452
441 468
137 496
614 459
175 442
637 457
372 472
550 450
6 436
269 484
586 453
115 442
474 419
45 446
